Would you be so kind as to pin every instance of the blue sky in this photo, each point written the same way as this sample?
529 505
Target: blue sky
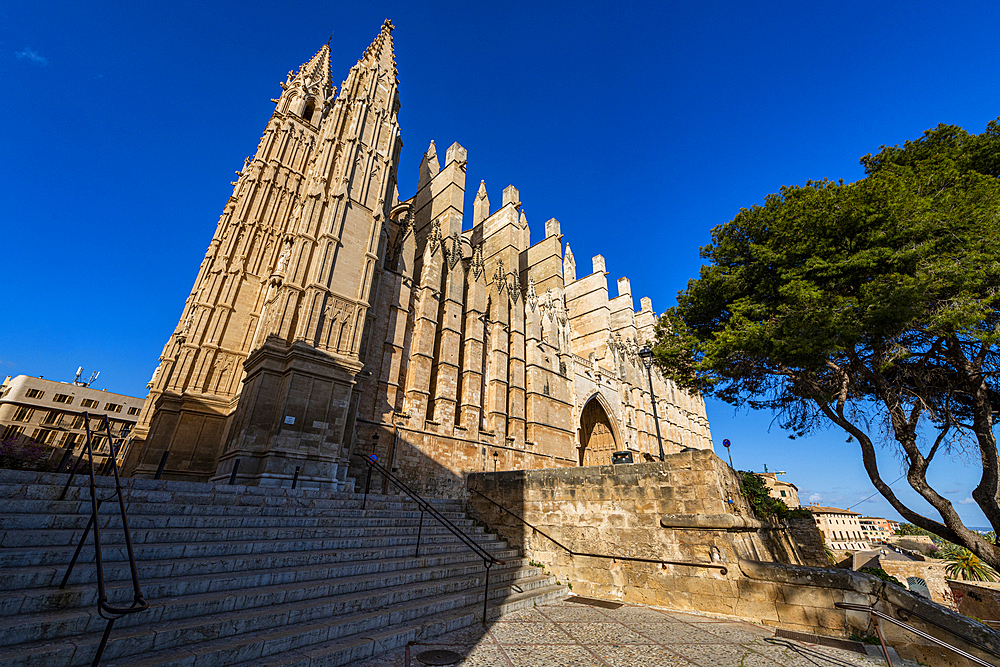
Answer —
640 126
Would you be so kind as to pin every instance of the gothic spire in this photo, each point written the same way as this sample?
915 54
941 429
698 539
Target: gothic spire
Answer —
380 54
316 70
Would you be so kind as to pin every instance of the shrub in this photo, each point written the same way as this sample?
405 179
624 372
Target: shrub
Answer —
756 492
882 574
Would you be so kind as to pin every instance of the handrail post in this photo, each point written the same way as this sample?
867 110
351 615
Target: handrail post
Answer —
163 462
138 602
295 477
881 639
236 469
420 529
486 589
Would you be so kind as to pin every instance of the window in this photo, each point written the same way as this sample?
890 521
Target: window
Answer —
113 407
133 411
22 414
34 393
78 422
918 586
12 432
782 494
88 403
63 398
43 436
52 417
97 442
72 440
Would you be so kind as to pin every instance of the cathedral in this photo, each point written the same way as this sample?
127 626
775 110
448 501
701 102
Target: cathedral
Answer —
331 319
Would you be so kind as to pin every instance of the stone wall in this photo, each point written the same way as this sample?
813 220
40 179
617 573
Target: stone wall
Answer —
688 509
930 571
977 598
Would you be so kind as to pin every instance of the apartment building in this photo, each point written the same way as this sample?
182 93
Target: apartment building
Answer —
52 413
841 529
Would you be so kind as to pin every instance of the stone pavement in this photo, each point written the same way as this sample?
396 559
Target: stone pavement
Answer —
572 634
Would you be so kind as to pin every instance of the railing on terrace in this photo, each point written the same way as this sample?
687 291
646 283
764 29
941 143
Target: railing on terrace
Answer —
660 561
107 611
876 614
489 560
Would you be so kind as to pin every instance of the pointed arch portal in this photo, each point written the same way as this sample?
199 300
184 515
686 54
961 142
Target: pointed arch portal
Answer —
597 434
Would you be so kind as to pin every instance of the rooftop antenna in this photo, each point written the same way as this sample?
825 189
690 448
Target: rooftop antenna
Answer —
92 378
79 372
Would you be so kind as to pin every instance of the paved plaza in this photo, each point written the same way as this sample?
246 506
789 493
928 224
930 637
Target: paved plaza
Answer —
573 634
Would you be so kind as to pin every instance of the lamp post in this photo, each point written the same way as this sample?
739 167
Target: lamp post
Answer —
646 355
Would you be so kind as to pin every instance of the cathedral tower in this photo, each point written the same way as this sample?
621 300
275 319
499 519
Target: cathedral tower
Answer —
261 366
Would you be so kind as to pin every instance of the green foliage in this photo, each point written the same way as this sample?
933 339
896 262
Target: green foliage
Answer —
755 491
800 513
963 564
910 529
870 305
29 455
882 574
864 639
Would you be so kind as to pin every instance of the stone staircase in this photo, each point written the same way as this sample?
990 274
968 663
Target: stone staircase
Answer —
240 575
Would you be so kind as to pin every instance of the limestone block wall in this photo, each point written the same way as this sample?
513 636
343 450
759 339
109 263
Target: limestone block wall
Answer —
977 598
621 511
930 571
689 509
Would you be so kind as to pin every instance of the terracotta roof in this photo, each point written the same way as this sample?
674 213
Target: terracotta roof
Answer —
829 510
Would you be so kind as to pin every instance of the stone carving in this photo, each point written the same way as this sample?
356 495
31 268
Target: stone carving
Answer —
454 253
478 266
531 299
434 239
514 287
499 277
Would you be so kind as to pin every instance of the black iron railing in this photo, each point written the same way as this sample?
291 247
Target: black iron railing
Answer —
489 560
109 612
876 614
659 561
904 614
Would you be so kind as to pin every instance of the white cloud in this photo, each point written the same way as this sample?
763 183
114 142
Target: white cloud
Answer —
966 501
815 498
32 56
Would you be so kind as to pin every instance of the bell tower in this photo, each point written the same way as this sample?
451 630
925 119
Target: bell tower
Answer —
261 366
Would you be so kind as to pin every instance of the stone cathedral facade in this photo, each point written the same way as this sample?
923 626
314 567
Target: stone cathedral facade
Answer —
327 311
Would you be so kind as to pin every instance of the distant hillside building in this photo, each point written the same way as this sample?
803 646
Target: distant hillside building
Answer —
328 309
784 491
51 413
876 529
841 529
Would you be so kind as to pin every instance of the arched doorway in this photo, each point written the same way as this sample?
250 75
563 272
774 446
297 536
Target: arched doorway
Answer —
597 435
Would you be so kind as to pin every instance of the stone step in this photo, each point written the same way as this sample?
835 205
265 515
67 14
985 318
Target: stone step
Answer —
44 508
330 576
55 537
28 484
54 555
347 594
236 636
145 521
241 574
14 579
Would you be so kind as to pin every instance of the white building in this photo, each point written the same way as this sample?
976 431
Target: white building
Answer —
51 413
841 528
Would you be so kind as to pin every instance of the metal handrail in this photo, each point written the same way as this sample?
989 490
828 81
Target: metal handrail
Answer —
489 560
722 568
875 613
106 611
904 614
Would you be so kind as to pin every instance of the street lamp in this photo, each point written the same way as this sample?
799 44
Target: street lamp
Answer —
646 355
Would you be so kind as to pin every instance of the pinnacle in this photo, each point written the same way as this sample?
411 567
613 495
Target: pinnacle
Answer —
317 69
481 193
380 53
